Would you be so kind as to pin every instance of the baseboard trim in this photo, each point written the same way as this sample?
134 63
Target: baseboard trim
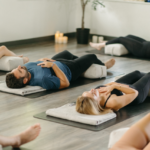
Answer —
46 38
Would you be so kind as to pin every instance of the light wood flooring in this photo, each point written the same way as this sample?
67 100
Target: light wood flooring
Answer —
16 112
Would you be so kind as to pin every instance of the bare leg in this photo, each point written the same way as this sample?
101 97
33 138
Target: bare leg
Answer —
97 46
137 136
110 63
4 51
28 135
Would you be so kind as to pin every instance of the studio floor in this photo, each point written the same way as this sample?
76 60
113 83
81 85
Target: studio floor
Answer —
16 112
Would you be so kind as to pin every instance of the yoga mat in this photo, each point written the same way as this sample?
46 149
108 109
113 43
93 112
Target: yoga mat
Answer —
78 82
123 114
101 52
10 148
3 72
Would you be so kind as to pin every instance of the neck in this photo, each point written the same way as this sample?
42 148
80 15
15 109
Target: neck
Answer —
29 77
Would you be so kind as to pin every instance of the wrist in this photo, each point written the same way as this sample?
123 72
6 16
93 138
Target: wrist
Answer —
52 65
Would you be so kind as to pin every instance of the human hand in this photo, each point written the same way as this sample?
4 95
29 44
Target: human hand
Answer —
46 59
45 64
106 89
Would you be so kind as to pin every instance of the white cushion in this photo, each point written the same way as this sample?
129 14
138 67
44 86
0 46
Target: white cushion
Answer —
95 71
22 91
116 49
115 136
8 63
69 112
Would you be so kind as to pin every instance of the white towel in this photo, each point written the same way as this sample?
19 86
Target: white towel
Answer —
22 91
68 112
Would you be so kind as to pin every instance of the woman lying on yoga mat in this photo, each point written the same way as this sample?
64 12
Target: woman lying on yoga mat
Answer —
135 45
4 51
25 137
131 89
136 138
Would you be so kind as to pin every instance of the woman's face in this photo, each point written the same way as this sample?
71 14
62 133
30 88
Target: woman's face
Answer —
93 93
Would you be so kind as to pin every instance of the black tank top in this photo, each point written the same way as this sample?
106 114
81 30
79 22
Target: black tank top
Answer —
115 91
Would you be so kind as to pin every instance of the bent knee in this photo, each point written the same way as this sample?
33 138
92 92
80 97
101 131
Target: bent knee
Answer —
137 71
2 47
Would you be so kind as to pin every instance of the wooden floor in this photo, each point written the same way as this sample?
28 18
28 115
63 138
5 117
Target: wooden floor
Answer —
16 112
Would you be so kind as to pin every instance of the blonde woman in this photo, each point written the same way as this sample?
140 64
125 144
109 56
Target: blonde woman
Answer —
131 89
136 138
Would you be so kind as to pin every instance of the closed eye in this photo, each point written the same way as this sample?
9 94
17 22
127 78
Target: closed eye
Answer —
19 70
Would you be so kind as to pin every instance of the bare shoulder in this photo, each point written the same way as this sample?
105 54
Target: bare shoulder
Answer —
112 102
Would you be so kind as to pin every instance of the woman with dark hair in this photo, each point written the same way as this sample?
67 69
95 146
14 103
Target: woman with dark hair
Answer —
131 89
135 45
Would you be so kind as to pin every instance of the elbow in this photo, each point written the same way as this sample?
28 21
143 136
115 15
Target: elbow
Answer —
136 93
68 84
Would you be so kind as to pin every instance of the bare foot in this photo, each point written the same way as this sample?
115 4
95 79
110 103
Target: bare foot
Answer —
97 46
28 135
110 63
25 60
20 56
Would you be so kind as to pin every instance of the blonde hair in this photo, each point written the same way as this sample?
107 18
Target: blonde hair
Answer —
86 105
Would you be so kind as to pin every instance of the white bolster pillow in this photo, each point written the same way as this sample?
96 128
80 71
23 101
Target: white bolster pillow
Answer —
8 63
116 49
95 71
115 136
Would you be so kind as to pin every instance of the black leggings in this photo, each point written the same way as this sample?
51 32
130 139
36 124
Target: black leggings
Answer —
139 81
77 65
135 45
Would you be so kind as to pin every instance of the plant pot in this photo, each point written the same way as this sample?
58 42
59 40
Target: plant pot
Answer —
82 35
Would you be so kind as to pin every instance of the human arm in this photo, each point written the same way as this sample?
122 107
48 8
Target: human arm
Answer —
115 83
46 59
59 73
118 102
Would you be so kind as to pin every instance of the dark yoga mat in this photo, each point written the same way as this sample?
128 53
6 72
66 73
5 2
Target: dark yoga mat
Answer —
3 72
123 114
78 82
101 52
10 148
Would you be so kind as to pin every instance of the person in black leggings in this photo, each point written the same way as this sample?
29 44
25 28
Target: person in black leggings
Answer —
55 73
78 65
135 45
131 89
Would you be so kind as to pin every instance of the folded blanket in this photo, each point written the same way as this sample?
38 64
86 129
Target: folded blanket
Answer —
68 112
22 91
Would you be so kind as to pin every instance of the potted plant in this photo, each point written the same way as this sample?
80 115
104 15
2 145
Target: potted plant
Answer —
83 33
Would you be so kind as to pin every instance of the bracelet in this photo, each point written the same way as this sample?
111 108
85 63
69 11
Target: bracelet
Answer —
52 65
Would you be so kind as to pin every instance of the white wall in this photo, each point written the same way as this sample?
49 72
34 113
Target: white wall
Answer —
122 18
25 19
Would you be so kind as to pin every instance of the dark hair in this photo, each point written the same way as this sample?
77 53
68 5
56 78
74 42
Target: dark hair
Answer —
13 82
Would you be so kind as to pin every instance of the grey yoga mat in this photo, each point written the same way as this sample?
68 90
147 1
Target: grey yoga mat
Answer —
123 114
78 82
